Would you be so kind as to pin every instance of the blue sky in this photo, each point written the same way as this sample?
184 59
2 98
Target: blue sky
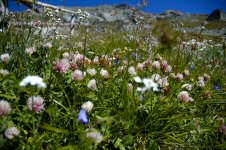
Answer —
155 6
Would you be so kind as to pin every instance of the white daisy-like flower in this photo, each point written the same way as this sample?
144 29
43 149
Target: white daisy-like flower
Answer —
33 80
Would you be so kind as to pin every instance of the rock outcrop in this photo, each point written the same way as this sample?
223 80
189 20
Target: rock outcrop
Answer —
170 14
217 15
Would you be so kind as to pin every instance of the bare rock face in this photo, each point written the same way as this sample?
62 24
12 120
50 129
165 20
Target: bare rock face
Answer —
217 15
170 14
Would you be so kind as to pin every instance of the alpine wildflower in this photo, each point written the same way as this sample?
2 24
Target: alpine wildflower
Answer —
11 132
36 104
33 80
5 108
82 117
87 106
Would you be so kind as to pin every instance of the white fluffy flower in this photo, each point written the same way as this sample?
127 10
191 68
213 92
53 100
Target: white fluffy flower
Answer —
104 73
96 60
78 75
184 96
92 84
4 72
186 72
187 87
5 58
87 106
33 80
5 107
156 65
163 82
140 66
92 71
30 50
132 71
179 76
172 75
96 136
168 68
201 83
11 132
130 87
155 77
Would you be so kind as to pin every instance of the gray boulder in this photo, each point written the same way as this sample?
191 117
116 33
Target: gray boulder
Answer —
170 14
217 15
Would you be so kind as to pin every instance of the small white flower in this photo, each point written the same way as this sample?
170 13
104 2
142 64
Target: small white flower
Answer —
155 77
5 108
30 50
4 72
96 60
132 71
11 132
92 71
140 89
168 68
156 65
186 72
104 73
130 87
87 106
150 84
96 136
78 75
92 84
140 66
163 82
5 58
201 83
66 55
201 78
187 87
184 96
172 75
33 80
137 79
179 76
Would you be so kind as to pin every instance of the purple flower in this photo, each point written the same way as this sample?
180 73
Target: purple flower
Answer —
117 61
192 67
134 55
82 117
217 88
223 129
